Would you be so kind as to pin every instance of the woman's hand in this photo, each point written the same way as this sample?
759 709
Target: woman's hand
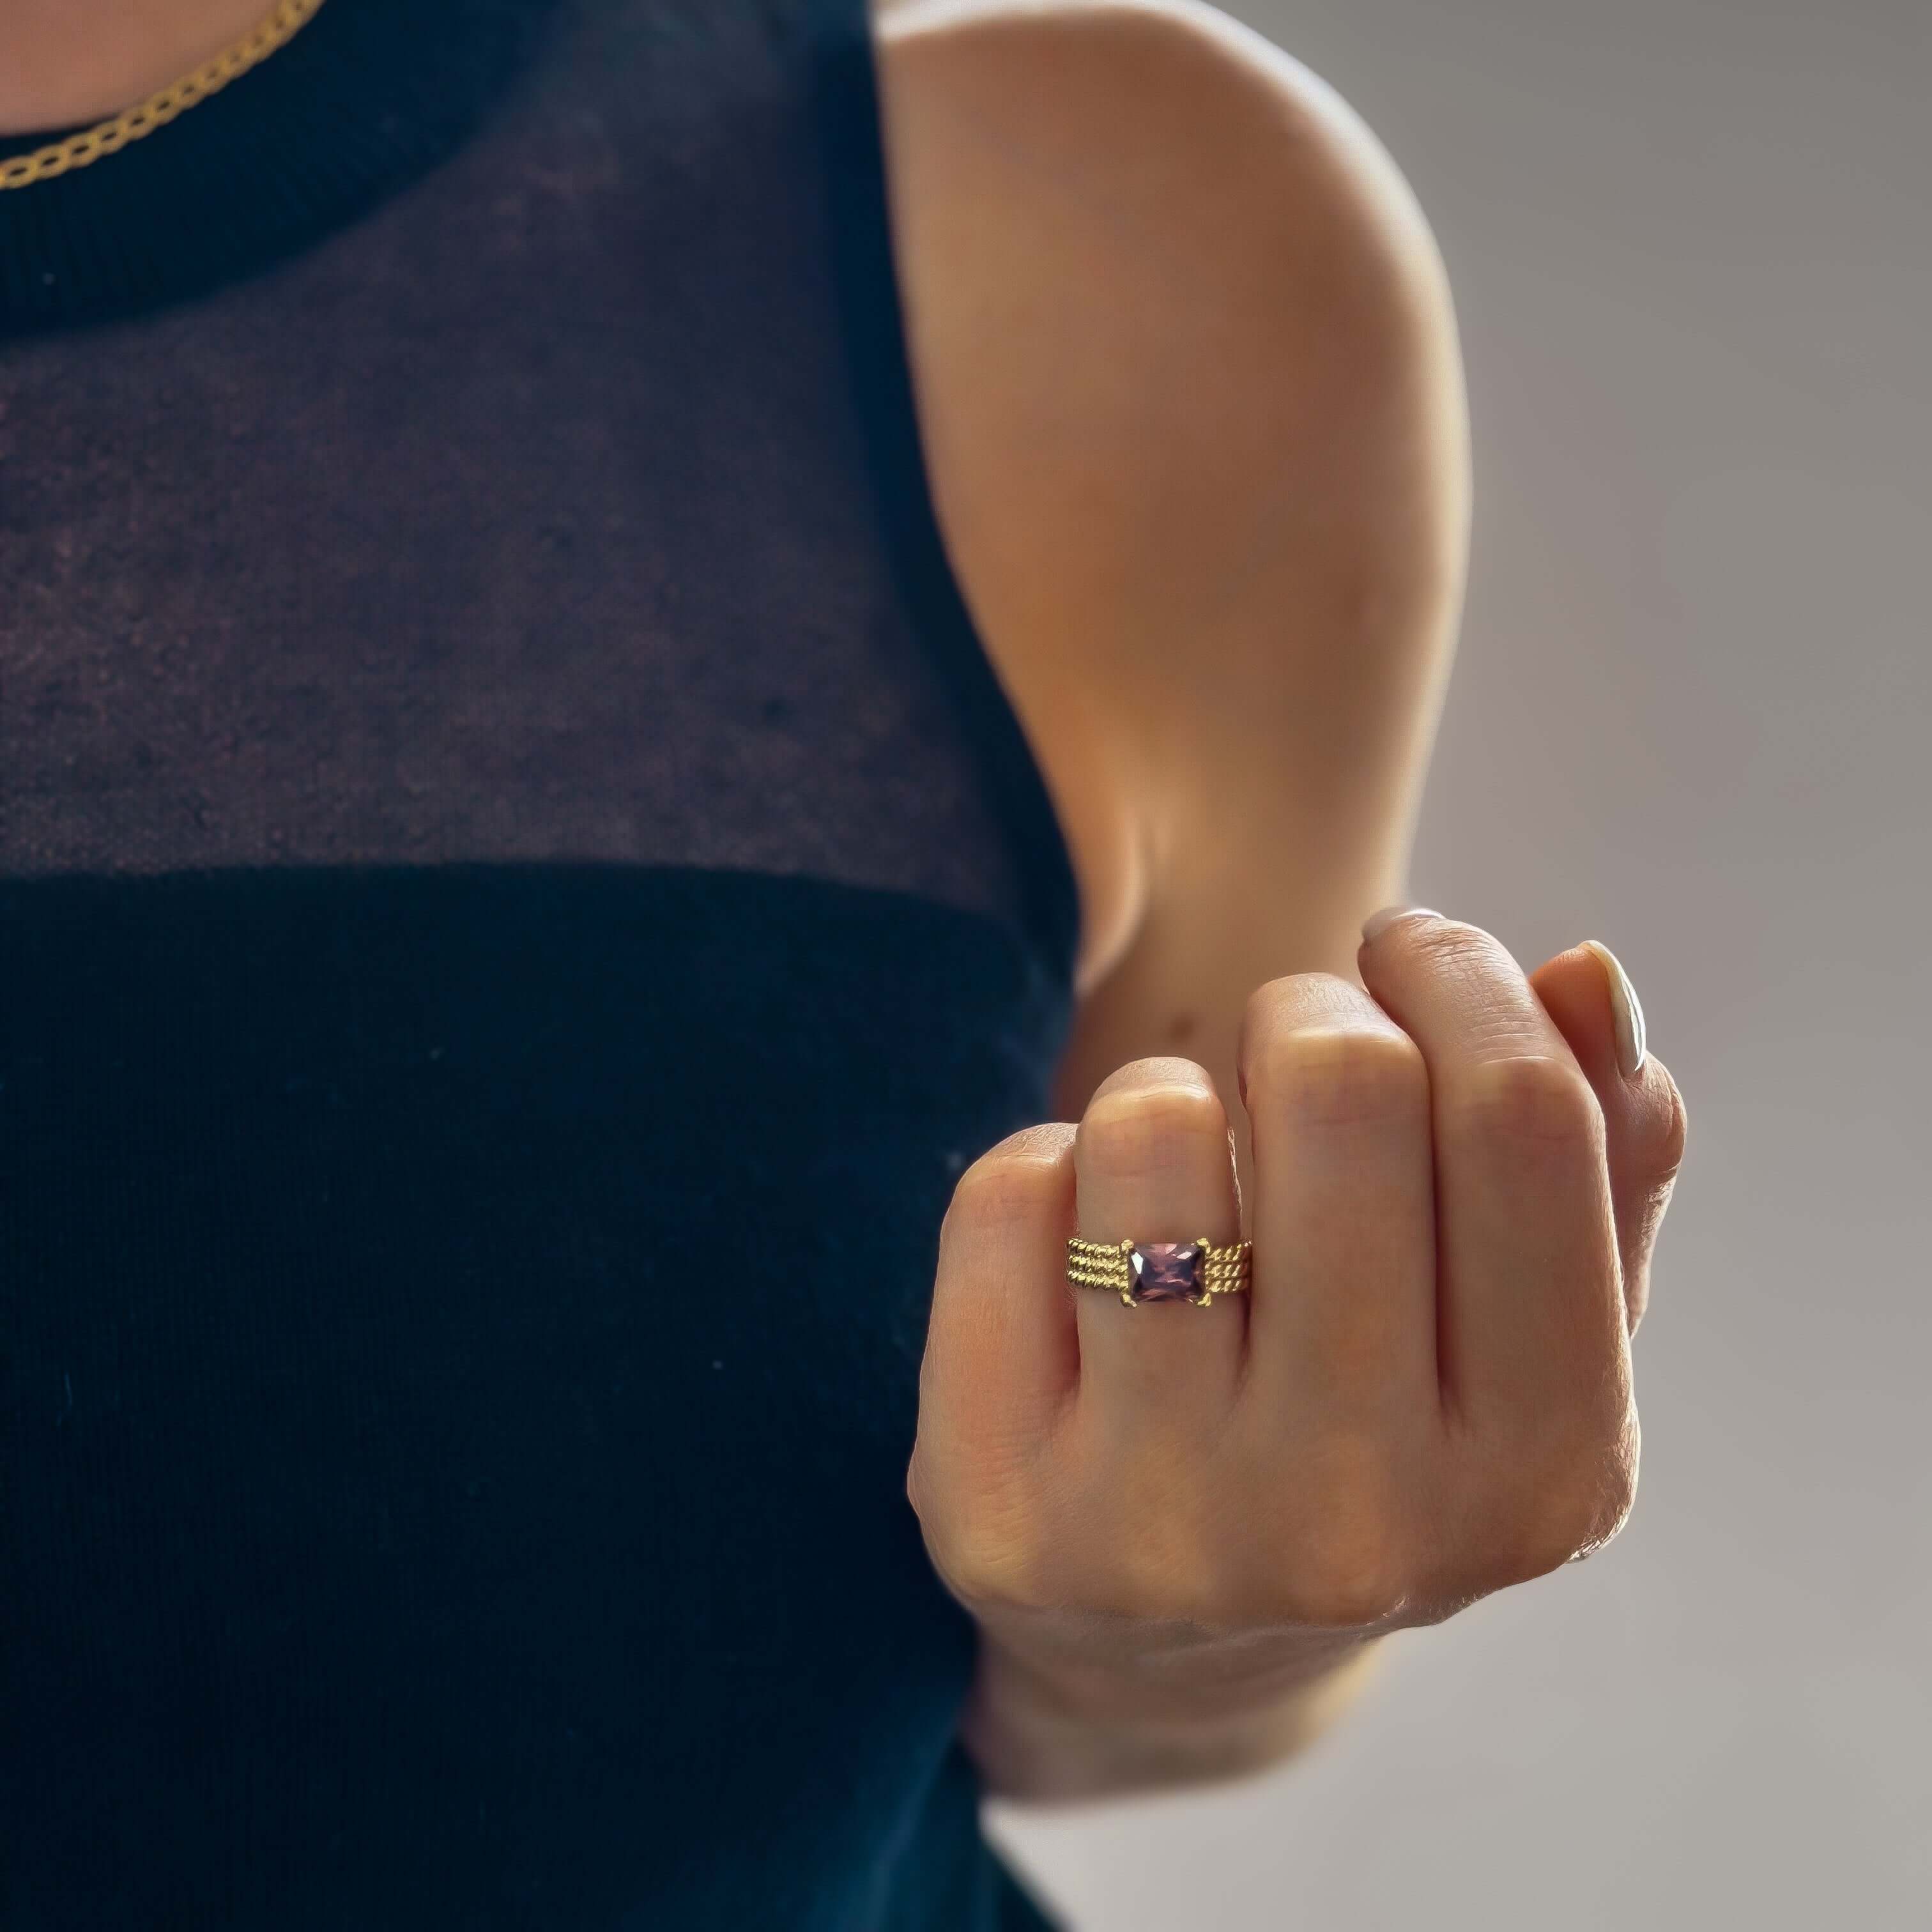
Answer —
1175 1524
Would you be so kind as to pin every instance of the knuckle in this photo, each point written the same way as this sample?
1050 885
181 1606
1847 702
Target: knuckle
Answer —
1578 1506
1152 1070
1614 1472
1675 1131
1351 1577
1344 1562
1342 1076
1273 1006
1143 1130
986 1569
1444 937
1008 1184
1166 1570
1526 1098
989 1552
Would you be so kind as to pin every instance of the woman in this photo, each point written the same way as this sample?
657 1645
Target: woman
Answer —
638 634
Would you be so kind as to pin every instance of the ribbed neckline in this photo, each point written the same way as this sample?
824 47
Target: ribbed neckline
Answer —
369 94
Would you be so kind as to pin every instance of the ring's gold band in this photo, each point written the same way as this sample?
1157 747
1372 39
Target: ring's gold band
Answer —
1210 1272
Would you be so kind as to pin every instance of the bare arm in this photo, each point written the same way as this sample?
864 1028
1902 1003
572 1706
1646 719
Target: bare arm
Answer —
1212 515
1210 506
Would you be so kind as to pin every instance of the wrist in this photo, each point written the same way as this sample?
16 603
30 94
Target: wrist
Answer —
1044 1723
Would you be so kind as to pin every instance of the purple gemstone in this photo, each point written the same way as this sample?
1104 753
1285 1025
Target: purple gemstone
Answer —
1166 1271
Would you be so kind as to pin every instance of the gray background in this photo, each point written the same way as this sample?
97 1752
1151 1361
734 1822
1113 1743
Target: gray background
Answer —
1691 242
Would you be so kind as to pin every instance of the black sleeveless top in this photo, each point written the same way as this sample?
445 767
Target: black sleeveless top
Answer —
520 892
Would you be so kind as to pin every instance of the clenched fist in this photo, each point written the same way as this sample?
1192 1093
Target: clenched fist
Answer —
1174 1523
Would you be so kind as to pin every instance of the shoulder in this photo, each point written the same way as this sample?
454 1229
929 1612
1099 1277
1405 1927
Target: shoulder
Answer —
1159 138
1199 74
1189 386
1170 179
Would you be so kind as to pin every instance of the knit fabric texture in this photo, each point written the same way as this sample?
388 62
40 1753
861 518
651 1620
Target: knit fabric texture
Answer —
520 891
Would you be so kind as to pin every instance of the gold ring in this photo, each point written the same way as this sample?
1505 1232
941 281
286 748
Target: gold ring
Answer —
1137 1271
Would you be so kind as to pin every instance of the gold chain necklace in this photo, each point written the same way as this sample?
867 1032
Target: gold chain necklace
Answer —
76 151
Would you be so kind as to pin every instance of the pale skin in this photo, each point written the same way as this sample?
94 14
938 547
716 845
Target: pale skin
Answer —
1187 376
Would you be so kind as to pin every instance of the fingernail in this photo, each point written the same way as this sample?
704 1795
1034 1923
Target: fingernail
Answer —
1625 1008
1377 923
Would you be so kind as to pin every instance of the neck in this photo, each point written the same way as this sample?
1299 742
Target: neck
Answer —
69 61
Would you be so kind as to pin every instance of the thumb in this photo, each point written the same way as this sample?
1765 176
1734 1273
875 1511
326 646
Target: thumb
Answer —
1643 1112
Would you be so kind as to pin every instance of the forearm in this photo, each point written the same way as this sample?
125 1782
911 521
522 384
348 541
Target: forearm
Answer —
1041 1735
